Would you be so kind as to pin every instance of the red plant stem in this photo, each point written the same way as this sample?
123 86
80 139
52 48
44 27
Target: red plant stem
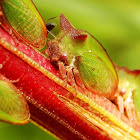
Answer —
40 91
43 90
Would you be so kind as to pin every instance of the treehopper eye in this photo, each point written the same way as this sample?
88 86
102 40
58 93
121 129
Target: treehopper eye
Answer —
50 26
13 107
86 57
25 21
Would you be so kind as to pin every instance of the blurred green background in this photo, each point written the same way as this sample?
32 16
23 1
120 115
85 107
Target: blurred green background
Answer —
115 23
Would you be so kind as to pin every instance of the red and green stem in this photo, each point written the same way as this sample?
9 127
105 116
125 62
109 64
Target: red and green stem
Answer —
53 106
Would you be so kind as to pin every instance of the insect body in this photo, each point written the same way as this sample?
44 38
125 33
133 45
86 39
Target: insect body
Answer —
13 107
25 21
82 59
129 90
